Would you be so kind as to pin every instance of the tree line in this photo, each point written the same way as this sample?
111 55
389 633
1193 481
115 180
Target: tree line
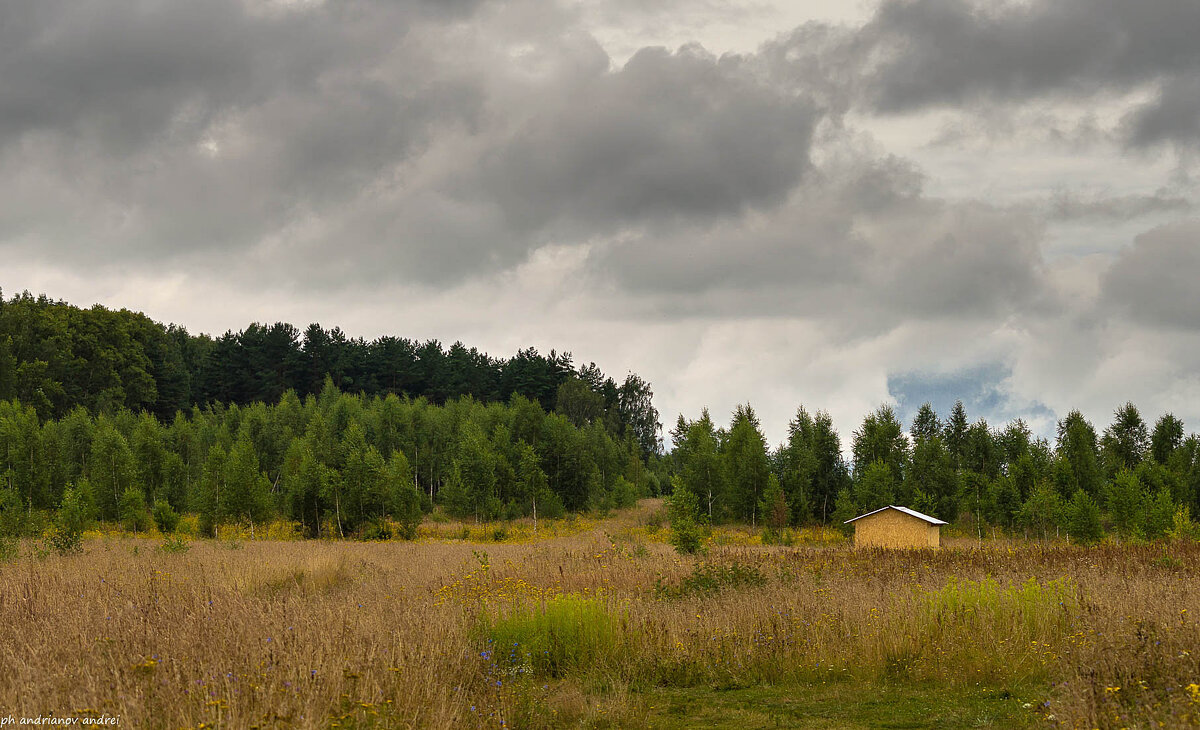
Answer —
55 357
337 464
1132 479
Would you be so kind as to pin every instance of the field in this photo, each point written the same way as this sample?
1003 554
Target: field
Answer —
598 623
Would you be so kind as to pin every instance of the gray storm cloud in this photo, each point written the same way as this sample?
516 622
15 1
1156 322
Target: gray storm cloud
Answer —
1154 280
314 149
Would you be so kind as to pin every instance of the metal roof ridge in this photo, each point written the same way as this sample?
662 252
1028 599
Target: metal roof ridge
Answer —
905 510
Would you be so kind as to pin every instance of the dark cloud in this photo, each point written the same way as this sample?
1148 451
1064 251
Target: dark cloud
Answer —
669 135
1154 281
857 242
953 51
448 154
985 56
1174 116
170 129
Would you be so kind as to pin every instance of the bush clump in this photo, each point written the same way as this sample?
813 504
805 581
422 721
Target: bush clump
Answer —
686 528
165 516
710 578
561 635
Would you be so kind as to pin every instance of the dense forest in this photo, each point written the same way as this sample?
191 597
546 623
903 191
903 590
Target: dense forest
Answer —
109 415
1138 481
119 418
56 357
336 463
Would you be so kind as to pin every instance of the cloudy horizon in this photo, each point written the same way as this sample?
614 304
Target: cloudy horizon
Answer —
824 203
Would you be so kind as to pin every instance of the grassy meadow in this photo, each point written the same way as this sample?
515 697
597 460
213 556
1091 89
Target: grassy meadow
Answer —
598 623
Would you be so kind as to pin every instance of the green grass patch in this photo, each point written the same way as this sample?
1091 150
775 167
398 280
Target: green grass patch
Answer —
842 704
1036 609
558 636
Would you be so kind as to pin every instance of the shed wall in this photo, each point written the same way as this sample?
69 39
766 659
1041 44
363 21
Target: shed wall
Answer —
894 529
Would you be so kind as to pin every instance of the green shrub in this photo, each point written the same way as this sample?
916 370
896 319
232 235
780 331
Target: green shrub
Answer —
406 507
710 578
554 638
1083 518
73 518
175 544
165 516
65 542
624 493
132 510
686 531
377 529
12 516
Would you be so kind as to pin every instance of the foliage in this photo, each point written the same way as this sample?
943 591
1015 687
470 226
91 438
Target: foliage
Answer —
686 531
561 635
881 439
73 519
132 510
774 509
744 454
174 544
876 487
1083 518
709 578
1043 511
165 516
845 508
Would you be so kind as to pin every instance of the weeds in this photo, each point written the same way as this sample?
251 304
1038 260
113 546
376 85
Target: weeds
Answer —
708 578
175 544
562 635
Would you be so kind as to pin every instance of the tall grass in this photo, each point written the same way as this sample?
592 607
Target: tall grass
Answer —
570 630
555 637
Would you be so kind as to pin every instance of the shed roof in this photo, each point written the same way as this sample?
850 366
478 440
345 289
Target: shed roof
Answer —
905 510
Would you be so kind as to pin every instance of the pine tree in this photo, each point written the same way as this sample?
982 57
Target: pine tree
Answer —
1005 501
956 433
1160 515
932 472
926 424
1127 441
796 464
844 508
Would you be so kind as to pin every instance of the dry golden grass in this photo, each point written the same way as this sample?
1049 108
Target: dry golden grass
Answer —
322 634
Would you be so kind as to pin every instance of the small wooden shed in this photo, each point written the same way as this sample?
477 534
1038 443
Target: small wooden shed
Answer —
897 527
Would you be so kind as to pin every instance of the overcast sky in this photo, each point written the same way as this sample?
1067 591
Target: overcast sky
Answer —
785 202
